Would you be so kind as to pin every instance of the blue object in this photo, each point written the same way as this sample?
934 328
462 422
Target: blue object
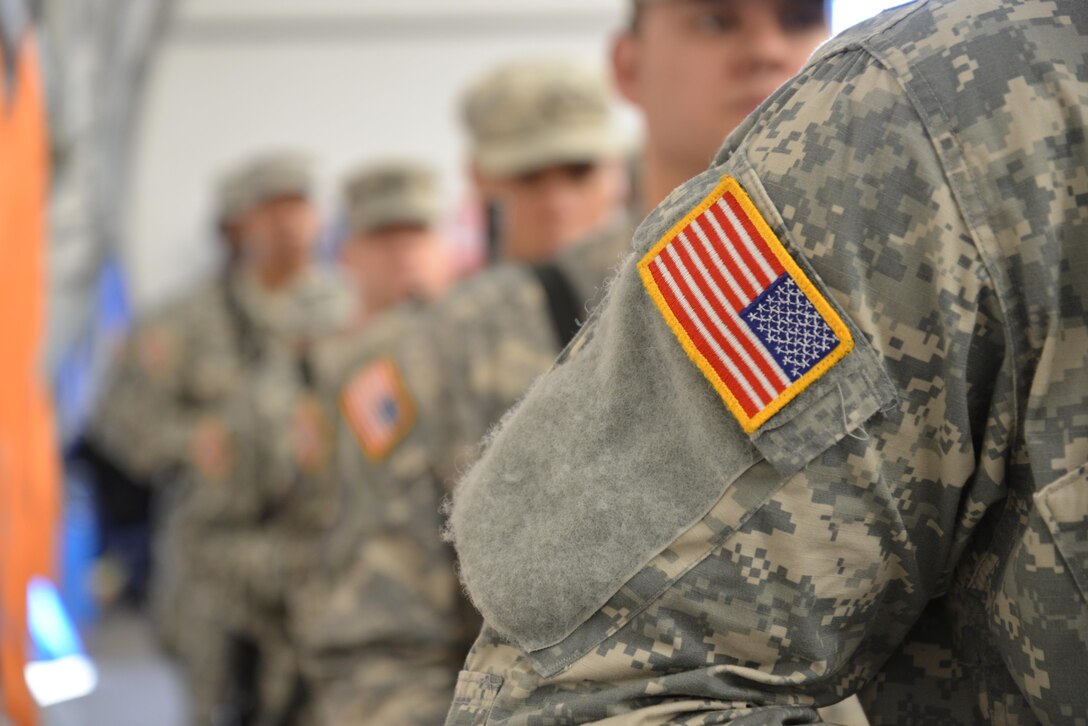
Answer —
52 632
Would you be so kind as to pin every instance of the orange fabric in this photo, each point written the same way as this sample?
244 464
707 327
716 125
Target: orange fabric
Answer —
29 471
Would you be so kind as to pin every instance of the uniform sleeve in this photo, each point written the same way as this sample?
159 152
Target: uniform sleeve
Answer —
262 519
138 421
752 472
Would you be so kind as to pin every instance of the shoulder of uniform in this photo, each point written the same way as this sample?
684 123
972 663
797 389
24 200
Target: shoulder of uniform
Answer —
862 34
194 303
613 237
496 285
591 262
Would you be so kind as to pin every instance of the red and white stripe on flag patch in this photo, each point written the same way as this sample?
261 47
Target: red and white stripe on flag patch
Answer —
378 407
742 309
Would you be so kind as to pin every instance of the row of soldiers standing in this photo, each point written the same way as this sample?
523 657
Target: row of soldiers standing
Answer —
300 574
306 435
310 448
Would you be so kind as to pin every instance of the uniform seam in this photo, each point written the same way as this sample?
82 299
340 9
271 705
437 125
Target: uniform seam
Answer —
957 194
973 226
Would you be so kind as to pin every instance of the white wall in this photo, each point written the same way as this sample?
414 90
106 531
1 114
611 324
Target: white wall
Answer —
344 79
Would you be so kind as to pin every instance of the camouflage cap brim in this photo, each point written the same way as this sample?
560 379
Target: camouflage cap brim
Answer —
592 145
392 193
287 185
378 217
274 176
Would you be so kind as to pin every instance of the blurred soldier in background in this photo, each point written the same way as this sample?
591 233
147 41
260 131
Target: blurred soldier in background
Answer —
827 434
544 156
280 307
190 397
395 250
138 447
532 123
395 629
118 430
395 253
127 465
398 258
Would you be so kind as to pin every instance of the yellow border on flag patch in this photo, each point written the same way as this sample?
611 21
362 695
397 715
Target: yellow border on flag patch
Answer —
846 341
403 399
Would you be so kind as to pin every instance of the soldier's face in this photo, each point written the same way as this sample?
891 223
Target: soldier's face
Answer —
396 264
698 67
280 233
545 210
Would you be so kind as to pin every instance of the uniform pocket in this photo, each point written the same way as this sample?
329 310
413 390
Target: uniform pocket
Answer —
1063 507
1039 612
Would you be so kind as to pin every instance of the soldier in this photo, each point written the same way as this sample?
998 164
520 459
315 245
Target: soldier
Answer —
826 435
395 250
544 155
396 254
397 258
400 609
576 152
117 435
136 468
200 386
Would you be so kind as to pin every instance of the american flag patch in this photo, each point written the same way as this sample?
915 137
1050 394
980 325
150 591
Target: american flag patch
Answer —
744 312
378 408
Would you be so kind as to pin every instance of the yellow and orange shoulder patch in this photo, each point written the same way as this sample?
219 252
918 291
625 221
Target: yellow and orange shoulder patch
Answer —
378 407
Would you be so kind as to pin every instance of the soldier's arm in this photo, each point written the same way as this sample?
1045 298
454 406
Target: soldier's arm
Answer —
736 497
141 421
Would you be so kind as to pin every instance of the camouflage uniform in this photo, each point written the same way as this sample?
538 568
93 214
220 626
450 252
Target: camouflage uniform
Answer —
385 642
143 370
151 403
208 372
385 635
910 523
209 388
377 196
248 524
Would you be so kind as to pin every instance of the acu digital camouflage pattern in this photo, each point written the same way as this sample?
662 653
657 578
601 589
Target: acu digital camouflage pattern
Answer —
385 639
207 388
930 171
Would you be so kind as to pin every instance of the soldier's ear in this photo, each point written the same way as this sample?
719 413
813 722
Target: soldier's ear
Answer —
625 66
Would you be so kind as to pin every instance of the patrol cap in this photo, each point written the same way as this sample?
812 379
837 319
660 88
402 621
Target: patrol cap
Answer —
273 175
529 115
392 192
